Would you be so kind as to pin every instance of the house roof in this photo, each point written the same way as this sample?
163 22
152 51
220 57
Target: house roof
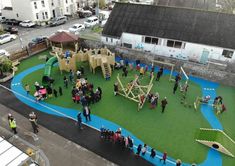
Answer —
196 26
7 8
63 37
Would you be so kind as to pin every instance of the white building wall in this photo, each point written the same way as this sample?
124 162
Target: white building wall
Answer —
187 51
110 40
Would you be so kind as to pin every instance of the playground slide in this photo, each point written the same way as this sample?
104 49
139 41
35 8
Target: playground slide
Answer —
46 79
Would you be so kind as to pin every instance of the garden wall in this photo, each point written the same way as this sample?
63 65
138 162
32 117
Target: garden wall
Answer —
224 74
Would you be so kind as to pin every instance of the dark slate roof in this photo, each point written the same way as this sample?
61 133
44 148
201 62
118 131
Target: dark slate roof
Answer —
7 8
196 26
196 4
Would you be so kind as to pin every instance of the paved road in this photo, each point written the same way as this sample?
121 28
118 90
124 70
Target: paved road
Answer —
27 34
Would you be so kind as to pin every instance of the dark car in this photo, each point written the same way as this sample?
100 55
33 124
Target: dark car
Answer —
90 9
13 22
37 40
11 30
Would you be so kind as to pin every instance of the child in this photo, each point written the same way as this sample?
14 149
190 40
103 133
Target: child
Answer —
27 88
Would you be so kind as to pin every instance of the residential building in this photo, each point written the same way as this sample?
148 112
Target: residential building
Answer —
39 11
173 32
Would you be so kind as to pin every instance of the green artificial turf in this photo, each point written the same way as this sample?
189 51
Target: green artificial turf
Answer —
217 136
228 118
174 131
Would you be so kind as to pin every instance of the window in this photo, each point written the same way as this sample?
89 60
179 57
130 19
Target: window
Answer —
46 15
175 44
170 43
154 40
37 16
17 15
107 39
43 16
67 9
66 1
147 40
72 1
127 45
43 3
178 44
111 40
35 5
52 3
227 53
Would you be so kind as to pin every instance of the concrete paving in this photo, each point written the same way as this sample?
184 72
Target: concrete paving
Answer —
58 150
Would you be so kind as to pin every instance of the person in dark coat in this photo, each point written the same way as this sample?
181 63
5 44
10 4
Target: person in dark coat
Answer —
177 78
60 91
65 82
139 150
164 103
87 113
79 120
55 92
175 87
33 121
49 91
158 76
153 153
100 90
115 89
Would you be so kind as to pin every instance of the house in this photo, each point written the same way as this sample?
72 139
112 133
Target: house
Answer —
39 11
173 32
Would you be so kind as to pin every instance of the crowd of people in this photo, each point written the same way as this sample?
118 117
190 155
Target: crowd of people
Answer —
126 142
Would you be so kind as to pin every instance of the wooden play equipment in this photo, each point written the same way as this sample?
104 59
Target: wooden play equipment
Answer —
134 91
167 64
217 140
96 57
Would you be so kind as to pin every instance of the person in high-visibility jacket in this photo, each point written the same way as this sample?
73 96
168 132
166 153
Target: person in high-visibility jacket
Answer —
12 124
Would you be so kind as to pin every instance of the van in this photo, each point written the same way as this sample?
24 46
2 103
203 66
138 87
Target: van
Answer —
91 21
58 21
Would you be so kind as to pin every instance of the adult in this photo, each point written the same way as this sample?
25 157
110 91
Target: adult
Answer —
87 113
144 149
164 156
71 76
79 120
177 78
49 91
130 143
60 91
37 86
163 104
153 153
178 162
55 92
100 90
33 121
139 150
12 123
175 87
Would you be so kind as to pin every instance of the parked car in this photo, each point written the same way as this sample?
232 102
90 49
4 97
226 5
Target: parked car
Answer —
58 21
84 13
37 40
27 23
90 9
6 38
76 28
91 21
13 22
2 19
4 53
11 30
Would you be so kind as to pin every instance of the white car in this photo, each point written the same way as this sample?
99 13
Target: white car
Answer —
91 21
76 28
27 23
6 38
4 53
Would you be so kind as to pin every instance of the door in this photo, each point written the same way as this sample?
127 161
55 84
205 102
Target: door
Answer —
204 56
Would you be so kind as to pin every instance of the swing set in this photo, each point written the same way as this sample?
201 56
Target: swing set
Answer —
134 91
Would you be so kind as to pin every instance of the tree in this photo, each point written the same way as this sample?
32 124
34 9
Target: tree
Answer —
102 4
5 65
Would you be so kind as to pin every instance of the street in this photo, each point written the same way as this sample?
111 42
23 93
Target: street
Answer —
27 34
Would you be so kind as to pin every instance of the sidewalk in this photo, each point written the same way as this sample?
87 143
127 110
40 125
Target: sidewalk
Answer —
57 149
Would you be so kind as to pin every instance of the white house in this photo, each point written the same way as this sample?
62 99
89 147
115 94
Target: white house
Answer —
173 32
39 10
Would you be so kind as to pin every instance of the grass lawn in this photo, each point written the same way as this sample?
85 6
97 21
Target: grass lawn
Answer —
174 131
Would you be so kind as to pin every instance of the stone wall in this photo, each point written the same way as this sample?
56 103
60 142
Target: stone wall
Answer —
217 73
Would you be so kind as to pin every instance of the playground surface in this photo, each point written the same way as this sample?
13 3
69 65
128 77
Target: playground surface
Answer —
174 131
